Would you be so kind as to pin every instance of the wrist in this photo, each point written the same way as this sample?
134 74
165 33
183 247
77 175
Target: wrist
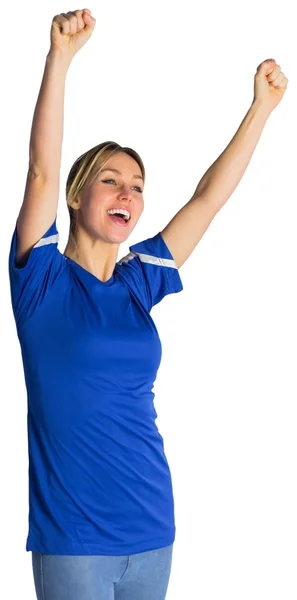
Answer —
259 108
59 58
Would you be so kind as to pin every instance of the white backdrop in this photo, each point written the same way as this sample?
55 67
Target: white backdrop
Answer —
174 81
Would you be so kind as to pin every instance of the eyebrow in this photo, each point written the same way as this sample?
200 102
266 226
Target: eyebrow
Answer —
119 172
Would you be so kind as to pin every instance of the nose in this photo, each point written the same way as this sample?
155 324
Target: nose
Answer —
126 193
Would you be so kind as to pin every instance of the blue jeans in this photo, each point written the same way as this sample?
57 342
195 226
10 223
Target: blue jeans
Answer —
142 576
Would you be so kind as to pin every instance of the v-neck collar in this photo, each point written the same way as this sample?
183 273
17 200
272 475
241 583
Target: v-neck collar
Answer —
77 265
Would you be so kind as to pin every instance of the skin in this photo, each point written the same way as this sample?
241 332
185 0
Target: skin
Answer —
98 242
98 238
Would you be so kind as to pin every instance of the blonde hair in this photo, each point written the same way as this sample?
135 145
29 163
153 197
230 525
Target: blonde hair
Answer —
85 170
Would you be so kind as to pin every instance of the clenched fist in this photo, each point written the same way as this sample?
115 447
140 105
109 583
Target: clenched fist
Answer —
70 31
270 84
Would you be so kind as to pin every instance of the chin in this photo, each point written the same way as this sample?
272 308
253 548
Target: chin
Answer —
120 234
119 237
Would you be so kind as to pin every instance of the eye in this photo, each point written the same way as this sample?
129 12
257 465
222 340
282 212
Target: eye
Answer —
136 186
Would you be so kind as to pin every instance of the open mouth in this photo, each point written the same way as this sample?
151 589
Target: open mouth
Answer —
120 217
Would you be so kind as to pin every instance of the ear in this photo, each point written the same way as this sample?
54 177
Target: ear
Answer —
75 203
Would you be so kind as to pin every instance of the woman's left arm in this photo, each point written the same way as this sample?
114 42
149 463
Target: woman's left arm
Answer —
187 227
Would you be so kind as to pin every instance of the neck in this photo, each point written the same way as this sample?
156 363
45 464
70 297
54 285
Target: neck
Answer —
98 257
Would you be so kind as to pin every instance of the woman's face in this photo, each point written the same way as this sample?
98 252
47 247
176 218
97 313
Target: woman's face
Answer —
120 189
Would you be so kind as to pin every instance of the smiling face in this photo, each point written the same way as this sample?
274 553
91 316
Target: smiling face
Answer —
121 188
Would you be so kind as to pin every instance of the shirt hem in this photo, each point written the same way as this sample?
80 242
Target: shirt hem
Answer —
73 549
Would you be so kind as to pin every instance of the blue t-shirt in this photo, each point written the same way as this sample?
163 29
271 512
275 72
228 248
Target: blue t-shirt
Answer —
99 480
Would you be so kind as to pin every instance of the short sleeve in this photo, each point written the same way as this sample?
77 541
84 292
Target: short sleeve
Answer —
30 284
150 269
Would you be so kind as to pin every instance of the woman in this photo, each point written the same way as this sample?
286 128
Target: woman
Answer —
101 519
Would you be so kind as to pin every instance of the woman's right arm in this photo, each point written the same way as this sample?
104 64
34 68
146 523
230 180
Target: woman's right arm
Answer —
40 203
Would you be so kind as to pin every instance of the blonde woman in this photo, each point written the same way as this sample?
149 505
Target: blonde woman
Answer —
101 519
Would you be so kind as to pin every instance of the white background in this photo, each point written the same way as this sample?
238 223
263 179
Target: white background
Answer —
174 81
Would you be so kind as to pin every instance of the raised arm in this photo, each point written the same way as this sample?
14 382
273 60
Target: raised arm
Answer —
39 208
187 227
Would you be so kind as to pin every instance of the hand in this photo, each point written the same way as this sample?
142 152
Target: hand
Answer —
71 31
270 85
